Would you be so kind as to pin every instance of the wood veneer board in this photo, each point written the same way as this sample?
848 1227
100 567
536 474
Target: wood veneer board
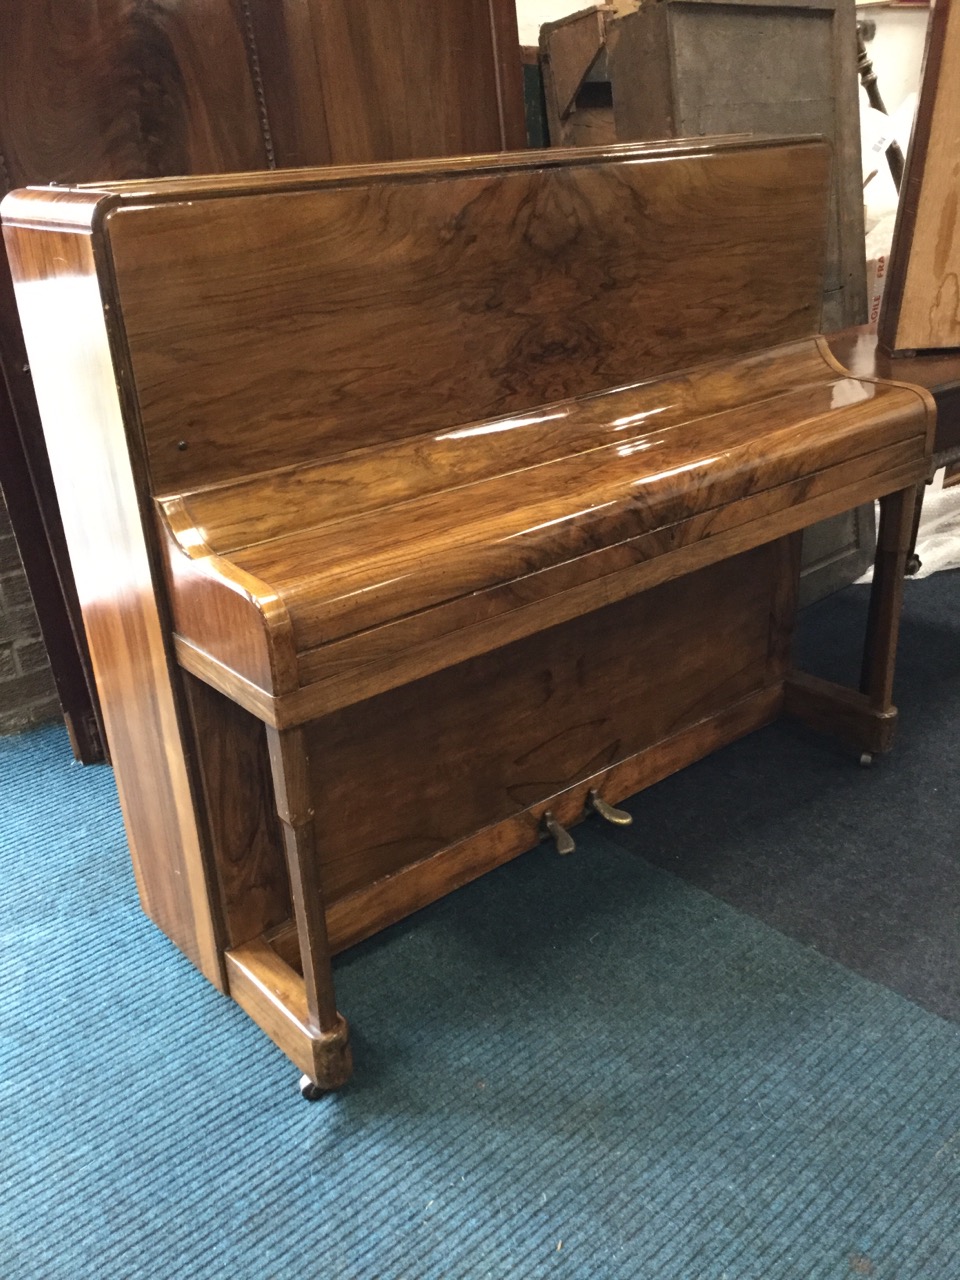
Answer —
257 507
101 89
858 350
246 844
482 741
482 294
344 81
104 88
356 916
100 496
921 305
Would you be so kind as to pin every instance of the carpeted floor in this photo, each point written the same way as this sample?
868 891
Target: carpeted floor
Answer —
582 1067
863 864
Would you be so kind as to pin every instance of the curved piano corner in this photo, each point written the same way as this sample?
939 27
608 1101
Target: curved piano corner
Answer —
230 630
833 363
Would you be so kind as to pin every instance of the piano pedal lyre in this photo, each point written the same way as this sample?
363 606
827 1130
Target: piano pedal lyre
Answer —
564 841
619 817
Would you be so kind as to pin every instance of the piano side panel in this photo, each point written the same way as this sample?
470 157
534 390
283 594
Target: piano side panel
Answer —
60 303
416 302
246 843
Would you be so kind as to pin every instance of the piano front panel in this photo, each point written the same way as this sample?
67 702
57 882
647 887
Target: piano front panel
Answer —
290 326
478 744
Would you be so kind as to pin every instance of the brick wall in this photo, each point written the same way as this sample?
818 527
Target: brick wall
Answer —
27 692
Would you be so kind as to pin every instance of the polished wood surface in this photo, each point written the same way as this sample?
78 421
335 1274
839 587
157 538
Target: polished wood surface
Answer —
233 759
639 472
273 993
369 82
106 89
447 537
860 351
626 432
469 296
480 742
382 902
68 329
102 89
937 371
385 657
921 303
688 458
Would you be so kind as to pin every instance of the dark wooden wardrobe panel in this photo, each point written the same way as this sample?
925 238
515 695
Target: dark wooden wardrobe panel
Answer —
388 79
91 90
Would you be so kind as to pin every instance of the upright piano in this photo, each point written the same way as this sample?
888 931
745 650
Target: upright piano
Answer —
418 511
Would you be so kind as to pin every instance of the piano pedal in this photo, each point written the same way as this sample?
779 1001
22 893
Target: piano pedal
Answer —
619 817
564 841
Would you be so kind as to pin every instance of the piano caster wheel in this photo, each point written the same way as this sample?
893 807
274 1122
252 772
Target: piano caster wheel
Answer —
619 817
310 1090
866 759
559 834
914 565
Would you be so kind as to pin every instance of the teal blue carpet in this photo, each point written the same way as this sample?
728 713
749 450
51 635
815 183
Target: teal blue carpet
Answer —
575 1067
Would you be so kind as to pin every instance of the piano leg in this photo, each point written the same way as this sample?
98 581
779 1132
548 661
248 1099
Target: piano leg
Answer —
327 1030
894 539
866 718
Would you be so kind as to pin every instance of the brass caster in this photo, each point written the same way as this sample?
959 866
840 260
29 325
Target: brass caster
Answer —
559 834
619 817
866 759
310 1090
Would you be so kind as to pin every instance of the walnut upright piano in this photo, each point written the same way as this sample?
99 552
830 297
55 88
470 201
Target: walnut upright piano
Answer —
417 511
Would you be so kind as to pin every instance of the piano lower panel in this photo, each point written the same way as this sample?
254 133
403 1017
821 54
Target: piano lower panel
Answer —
414 771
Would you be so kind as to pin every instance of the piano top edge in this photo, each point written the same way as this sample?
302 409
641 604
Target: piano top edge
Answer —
82 204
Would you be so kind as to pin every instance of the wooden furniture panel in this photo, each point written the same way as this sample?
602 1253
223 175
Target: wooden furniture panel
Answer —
73 353
382 902
345 82
860 351
448 321
126 90
233 760
405 567
921 303
483 741
106 90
